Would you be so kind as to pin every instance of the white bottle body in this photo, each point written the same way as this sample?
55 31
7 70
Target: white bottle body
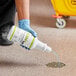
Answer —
26 39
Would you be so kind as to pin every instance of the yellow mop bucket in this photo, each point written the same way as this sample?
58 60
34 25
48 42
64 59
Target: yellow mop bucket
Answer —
63 8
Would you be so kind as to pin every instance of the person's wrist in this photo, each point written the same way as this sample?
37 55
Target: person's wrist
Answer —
24 22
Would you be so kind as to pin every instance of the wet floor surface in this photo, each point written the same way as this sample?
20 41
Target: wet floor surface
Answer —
56 65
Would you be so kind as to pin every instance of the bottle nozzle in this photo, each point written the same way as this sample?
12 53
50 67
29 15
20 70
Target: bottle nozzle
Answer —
42 46
48 49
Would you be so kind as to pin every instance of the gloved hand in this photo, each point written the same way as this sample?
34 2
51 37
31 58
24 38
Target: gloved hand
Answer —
25 25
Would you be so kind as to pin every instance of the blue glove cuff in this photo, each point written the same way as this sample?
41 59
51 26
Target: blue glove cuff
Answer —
24 22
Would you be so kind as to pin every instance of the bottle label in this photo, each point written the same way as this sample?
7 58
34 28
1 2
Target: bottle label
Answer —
28 41
17 34
23 37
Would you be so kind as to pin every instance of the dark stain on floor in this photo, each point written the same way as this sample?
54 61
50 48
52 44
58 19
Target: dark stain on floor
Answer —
56 65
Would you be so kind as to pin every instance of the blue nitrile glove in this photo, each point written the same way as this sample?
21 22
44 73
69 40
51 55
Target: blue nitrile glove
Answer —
25 25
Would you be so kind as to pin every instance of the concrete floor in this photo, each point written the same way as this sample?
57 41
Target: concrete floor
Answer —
16 61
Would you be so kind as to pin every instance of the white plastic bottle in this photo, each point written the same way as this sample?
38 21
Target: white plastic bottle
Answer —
26 39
